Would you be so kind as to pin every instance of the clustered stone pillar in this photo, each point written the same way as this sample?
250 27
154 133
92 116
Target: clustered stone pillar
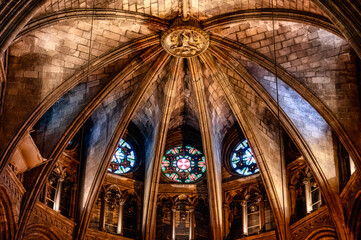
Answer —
244 217
307 183
57 198
173 222
191 223
120 217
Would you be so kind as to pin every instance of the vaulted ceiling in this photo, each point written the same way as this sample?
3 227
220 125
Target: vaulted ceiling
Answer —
270 65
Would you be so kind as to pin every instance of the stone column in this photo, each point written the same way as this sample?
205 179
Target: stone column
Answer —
102 213
72 201
307 183
244 217
191 223
173 222
120 217
293 198
58 194
262 217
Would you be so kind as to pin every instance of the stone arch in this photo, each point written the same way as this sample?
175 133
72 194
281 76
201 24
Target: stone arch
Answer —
40 232
322 234
182 197
7 221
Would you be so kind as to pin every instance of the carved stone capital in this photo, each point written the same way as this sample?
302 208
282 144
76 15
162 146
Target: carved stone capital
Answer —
243 203
121 201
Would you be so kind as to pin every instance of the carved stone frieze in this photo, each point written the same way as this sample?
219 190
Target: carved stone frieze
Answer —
185 41
93 234
12 183
15 189
316 220
49 218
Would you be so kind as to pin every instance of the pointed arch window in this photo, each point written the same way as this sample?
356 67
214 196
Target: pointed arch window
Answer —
124 160
184 164
242 161
60 190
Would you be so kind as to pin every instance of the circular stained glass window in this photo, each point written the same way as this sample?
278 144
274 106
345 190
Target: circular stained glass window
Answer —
242 160
124 159
184 164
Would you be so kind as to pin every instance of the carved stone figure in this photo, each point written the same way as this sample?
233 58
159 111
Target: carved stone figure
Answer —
185 41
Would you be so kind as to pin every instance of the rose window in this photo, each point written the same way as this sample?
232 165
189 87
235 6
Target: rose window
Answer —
242 160
124 159
184 164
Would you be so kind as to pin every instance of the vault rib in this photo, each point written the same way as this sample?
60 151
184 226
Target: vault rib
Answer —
152 174
286 121
98 14
78 122
68 84
239 113
214 178
291 81
269 14
120 129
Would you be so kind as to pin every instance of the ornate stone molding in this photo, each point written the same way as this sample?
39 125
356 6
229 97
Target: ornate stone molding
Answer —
316 220
185 41
93 234
13 184
50 218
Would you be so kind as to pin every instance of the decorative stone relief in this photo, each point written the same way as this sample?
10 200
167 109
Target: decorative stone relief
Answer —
50 218
316 220
15 189
185 41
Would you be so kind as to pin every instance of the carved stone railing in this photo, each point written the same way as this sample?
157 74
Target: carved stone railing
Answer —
15 189
316 220
271 235
42 215
93 234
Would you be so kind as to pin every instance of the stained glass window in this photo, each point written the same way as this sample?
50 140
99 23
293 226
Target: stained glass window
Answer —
242 160
183 164
124 159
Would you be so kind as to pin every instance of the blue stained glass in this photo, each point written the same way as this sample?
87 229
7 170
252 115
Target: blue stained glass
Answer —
124 159
242 160
183 164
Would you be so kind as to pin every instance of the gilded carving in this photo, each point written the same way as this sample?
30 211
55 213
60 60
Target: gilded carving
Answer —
185 41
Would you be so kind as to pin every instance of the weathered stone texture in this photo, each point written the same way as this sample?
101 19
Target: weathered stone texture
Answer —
266 131
45 220
101 125
321 61
185 107
318 220
313 128
49 129
158 8
42 60
204 9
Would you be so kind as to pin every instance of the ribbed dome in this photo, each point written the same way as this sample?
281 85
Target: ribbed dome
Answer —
277 72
